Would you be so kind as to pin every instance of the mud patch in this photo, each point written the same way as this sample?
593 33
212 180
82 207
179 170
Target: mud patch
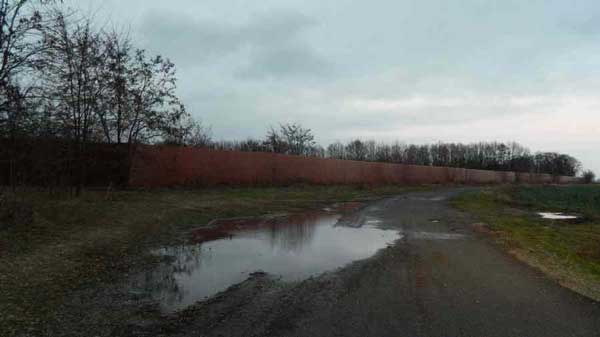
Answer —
440 258
345 207
481 228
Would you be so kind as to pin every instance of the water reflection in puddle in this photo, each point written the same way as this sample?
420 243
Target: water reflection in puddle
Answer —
557 216
293 249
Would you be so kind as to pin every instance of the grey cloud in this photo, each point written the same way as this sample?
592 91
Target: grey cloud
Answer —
277 27
186 40
268 45
285 61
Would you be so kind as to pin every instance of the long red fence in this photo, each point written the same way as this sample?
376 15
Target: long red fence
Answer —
165 166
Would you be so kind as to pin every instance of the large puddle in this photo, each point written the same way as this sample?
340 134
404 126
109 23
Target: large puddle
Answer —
291 248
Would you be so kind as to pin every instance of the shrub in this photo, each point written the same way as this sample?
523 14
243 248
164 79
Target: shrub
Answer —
589 177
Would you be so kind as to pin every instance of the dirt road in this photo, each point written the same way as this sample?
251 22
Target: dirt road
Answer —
440 279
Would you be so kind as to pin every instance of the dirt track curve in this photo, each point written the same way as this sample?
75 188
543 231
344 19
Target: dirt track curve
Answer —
440 279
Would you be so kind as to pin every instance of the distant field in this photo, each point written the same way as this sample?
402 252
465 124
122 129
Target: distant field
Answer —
583 199
75 242
568 251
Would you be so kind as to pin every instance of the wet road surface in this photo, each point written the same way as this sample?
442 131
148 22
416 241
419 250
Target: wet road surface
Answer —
440 278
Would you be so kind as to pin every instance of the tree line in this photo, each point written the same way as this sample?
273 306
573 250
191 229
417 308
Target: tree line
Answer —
293 139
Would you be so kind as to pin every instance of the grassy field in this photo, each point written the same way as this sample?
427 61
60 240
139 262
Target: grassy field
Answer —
79 242
568 251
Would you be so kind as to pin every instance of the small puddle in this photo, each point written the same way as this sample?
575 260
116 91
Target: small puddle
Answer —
434 199
557 216
435 236
293 248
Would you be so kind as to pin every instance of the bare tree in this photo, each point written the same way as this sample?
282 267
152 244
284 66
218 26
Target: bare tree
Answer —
20 25
291 139
383 153
190 133
116 104
300 140
156 110
198 135
356 150
398 153
336 151
275 142
73 83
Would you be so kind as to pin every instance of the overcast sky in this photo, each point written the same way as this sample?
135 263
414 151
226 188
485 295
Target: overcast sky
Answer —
407 70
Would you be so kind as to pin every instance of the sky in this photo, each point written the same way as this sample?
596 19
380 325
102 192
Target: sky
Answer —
417 71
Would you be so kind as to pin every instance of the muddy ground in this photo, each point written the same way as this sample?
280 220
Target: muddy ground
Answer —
444 277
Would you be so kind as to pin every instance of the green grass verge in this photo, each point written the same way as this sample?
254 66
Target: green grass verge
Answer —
567 251
77 242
